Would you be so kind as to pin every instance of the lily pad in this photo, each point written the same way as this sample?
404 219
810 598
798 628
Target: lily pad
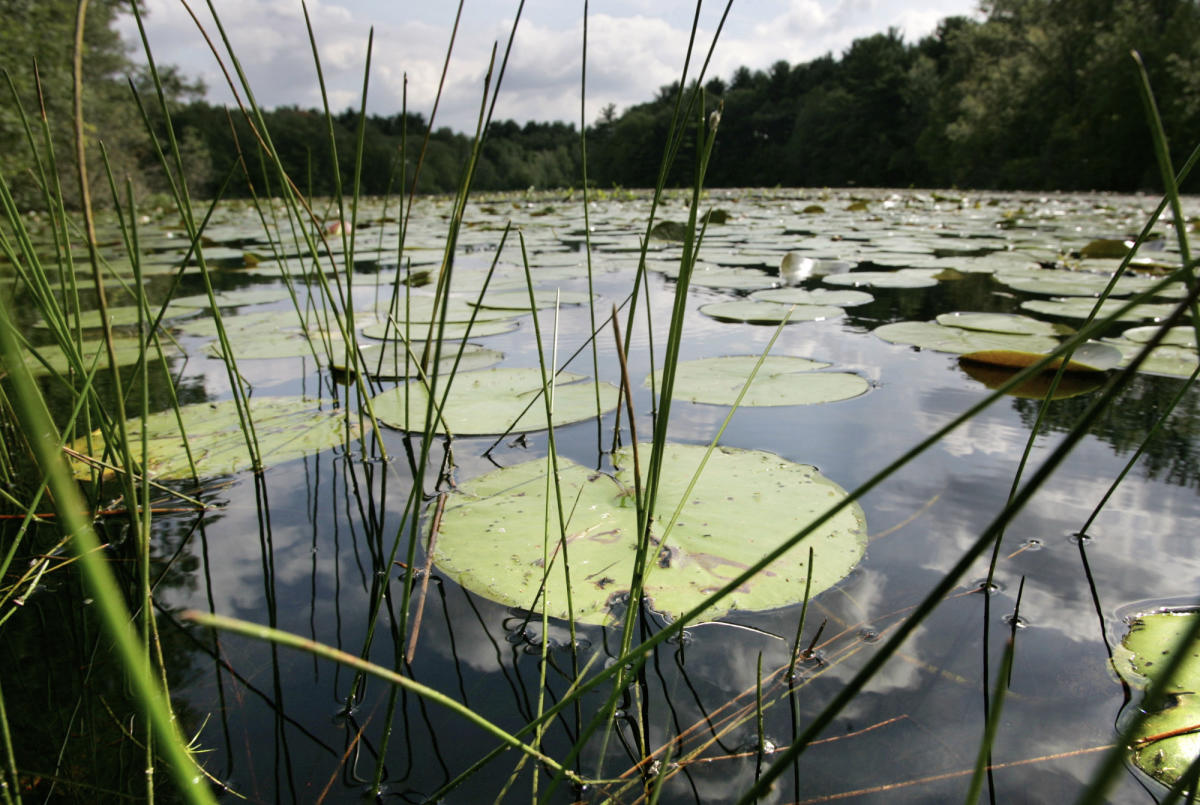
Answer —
385 331
1013 323
1089 357
519 300
1106 247
122 316
390 361
768 312
1167 360
903 278
285 427
1079 308
940 338
491 400
1179 336
1143 651
127 351
781 380
488 541
816 296
1037 387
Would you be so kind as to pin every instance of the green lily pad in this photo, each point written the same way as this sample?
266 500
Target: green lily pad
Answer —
816 296
1168 359
1144 650
669 230
519 300
1105 247
127 351
384 331
488 541
903 278
940 338
1179 336
1091 356
1013 323
459 311
282 344
390 361
768 312
231 299
1080 308
122 316
285 427
1052 282
781 380
491 400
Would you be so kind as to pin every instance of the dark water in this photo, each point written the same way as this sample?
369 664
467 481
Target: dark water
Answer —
306 548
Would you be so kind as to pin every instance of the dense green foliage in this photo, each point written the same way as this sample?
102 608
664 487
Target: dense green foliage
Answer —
1036 94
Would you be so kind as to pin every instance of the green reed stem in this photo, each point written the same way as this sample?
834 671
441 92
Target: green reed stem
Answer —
992 726
114 616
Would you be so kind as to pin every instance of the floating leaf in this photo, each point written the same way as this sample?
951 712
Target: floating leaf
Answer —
1151 638
127 351
386 331
1167 360
519 300
903 278
489 538
1180 336
282 344
1106 247
1077 308
285 428
938 337
1053 282
1013 323
491 400
1037 387
390 361
768 312
781 380
816 296
669 230
1088 357
123 316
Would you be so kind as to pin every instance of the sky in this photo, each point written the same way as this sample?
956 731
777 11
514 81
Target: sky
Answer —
633 48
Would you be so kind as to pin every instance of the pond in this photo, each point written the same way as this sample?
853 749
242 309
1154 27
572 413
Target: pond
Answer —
319 542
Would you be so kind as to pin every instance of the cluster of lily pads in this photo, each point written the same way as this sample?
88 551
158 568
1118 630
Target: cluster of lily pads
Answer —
774 257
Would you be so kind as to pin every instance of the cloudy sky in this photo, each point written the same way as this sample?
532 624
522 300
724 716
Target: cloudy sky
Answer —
634 47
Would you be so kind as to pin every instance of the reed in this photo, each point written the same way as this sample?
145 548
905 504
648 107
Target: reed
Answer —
567 729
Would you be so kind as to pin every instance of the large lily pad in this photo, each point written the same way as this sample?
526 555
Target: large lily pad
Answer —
940 338
1151 638
492 400
1168 359
782 380
389 361
1081 308
286 428
50 358
489 538
1013 323
903 278
816 296
751 312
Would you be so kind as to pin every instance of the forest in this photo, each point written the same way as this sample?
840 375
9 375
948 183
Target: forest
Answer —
1036 94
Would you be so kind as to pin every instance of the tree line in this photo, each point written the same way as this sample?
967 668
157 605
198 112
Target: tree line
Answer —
1034 94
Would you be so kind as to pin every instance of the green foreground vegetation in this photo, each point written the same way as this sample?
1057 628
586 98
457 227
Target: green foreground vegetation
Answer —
139 433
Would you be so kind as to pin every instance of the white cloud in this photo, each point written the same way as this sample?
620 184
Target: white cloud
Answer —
633 49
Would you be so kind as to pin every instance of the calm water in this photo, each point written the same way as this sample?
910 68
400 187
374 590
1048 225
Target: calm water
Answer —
306 547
